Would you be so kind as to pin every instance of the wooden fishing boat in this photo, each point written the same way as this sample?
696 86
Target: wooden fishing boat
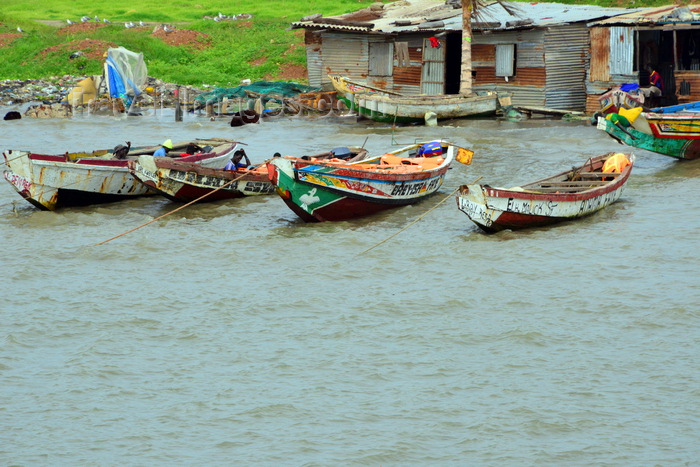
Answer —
49 181
413 109
568 195
347 88
337 190
386 106
183 181
673 131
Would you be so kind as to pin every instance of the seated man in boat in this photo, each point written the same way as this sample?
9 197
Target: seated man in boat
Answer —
235 162
162 150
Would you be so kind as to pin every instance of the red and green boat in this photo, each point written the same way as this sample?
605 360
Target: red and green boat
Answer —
336 190
672 131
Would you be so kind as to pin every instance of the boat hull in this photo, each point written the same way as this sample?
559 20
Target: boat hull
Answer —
496 209
319 192
189 182
78 179
675 139
49 182
411 109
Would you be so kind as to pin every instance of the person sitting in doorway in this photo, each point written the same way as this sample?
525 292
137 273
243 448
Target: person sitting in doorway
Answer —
235 162
162 150
656 84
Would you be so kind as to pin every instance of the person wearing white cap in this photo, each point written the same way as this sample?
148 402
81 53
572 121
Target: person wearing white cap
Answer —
162 150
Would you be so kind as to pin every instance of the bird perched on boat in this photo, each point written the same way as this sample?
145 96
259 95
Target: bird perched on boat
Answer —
120 151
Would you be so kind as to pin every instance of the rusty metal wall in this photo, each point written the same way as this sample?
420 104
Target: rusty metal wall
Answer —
567 57
529 61
483 55
601 87
345 54
687 84
529 46
314 63
526 96
600 54
535 77
528 82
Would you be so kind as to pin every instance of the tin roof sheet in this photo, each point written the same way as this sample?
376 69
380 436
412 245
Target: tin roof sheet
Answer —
669 14
417 15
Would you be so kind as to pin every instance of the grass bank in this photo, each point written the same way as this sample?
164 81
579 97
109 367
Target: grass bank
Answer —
198 50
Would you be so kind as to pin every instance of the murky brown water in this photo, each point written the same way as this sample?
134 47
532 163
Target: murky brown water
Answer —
231 332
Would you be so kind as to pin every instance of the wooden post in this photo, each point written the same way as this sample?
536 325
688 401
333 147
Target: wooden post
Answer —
178 108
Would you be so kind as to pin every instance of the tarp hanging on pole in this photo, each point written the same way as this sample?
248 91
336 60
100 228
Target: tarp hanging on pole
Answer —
126 73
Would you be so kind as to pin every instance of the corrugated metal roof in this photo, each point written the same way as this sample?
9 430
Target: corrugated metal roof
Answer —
669 14
411 15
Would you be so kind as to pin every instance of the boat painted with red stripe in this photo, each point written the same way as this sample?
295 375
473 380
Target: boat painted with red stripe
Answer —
575 193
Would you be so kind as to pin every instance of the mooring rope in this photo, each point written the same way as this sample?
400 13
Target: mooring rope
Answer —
418 219
174 210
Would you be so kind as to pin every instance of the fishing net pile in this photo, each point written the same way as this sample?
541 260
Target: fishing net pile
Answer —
276 91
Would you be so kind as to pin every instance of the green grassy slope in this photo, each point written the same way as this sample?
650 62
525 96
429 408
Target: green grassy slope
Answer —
261 47
258 48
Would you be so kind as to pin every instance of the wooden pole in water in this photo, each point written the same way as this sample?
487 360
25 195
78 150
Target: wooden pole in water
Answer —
178 108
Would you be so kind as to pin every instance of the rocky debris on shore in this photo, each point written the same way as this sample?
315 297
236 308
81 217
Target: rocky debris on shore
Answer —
53 90
49 111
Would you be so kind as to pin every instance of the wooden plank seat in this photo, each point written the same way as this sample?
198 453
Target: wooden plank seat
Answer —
577 185
599 174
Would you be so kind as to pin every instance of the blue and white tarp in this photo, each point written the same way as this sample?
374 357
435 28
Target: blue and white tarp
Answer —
126 73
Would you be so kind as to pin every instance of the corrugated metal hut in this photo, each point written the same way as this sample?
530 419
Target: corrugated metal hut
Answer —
667 37
537 51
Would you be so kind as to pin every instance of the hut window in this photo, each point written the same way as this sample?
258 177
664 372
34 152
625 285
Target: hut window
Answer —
381 58
505 60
